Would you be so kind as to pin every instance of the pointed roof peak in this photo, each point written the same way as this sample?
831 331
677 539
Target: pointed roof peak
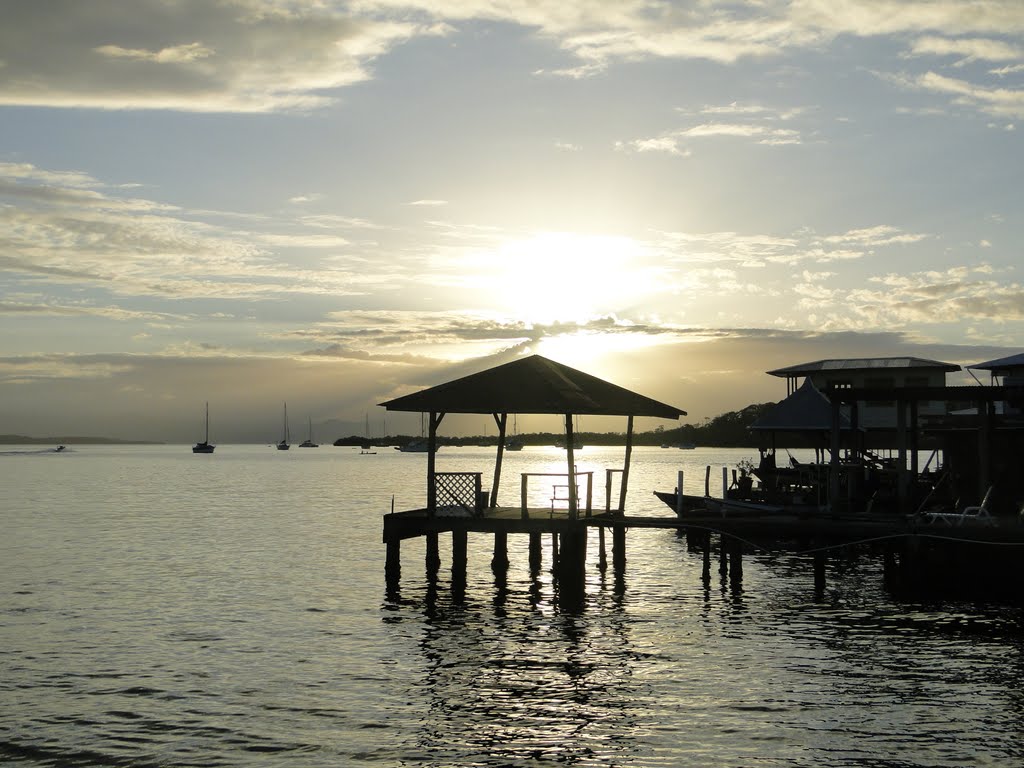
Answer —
534 384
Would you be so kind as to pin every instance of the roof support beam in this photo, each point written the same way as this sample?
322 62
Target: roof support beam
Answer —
570 439
435 422
625 466
501 420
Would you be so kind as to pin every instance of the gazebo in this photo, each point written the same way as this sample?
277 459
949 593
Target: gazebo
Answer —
530 385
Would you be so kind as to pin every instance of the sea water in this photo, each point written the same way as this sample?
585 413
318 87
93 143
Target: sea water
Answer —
159 608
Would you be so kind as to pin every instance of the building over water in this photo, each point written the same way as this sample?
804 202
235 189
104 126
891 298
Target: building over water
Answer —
876 373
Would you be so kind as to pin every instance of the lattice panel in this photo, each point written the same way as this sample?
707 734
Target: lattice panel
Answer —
457 489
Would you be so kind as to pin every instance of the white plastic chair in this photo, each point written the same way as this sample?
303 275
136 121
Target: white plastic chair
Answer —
979 513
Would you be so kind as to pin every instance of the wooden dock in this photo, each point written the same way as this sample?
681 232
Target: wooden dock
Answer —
906 541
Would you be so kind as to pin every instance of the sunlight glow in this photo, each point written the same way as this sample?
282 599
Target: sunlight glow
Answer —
563 277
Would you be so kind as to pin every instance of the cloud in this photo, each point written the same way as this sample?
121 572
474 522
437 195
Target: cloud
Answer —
1001 102
967 49
64 229
667 144
190 55
429 203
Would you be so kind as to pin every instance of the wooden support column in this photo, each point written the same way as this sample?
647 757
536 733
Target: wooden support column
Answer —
625 466
499 563
902 477
433 557
535 553
572 558
554 551
501 420
723 557
459 556
706 570
819 572
985 409
619 549
833 471
435 422
602 555
393 561
736 562
570 439
914 427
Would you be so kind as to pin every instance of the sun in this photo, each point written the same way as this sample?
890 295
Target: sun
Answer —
554 277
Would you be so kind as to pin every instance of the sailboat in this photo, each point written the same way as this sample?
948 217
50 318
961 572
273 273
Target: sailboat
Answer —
308 442
203 447
366 444
515 443
283 445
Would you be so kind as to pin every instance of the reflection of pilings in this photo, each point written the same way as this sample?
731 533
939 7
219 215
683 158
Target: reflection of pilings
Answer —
535 553
433 557
499 563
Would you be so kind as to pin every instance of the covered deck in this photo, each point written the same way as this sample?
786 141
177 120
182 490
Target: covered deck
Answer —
459 502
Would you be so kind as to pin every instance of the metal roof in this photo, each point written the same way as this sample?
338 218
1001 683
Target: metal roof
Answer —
1002 364
532 384
806 410
863 364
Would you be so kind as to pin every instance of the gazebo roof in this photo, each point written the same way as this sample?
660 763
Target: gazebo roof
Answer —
862 364
806 410
1003 365
532 385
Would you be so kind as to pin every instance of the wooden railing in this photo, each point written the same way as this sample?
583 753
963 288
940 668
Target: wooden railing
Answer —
559 491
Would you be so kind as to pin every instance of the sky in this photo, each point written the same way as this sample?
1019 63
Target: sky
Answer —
330 204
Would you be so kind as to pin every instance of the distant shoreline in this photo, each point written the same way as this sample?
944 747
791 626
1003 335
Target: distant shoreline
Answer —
23 440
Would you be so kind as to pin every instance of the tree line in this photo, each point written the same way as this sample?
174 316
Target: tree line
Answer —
727 430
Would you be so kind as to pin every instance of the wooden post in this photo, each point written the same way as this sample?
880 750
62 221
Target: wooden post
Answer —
706 570
499 563
736 563
819 572
433 558
522 499
535 552
833 467
902 478
985 410
723 557
725 482
625 466
602 556
393 561
501 421
707 480
435 422
459 558
679 493
572 555
914 427
570 438
554 551
619 549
